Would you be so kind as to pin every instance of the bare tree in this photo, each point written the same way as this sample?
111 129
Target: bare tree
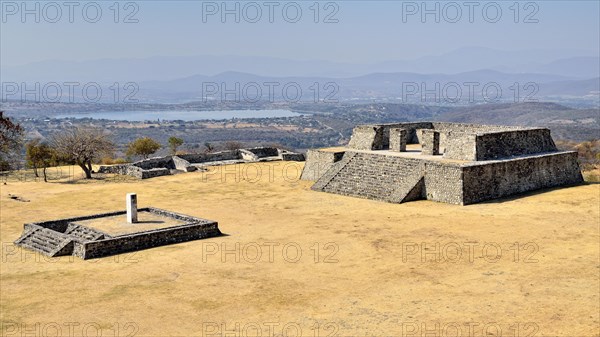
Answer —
11 138
82 146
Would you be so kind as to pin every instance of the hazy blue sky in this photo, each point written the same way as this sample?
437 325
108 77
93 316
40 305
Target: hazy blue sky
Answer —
366 31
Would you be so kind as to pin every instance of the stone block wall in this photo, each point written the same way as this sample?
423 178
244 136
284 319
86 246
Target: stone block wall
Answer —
377 136
430 142
247 155
182 164
497 179
458 146
198 158
505 144
398 140
318 162
262 152
153 163
291 156
412 135
471 128
156 172
443 182
144 240
160 166
367 137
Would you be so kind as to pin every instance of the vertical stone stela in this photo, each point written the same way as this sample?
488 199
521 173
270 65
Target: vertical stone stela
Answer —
131 208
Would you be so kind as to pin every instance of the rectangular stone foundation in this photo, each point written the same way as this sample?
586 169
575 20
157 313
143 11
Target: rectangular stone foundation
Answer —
107 234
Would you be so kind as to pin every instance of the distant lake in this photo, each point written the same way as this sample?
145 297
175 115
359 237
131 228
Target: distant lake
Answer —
137 116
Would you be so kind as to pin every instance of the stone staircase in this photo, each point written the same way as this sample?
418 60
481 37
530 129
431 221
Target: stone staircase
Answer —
373 176
46 241
82 233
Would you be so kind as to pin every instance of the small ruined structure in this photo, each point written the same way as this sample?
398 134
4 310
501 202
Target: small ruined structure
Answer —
161 166
446 162
113 233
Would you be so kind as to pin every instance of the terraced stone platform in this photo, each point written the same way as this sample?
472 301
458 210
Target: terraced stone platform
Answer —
446 162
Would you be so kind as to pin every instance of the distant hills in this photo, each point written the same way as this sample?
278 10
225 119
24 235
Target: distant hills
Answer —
573 64
470 74
565 123
482 85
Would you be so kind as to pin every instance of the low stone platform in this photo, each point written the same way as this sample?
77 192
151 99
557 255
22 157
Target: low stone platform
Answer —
107 234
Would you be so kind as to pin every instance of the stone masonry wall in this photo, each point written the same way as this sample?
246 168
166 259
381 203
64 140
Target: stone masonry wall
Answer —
443 182
412 136
471 128
430 142
149 239
376 136
506 177
398 140
198 158
158 162
318 162
458 145
366 137
504 144
262 152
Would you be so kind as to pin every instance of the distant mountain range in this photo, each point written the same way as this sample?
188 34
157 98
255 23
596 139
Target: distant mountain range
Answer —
565 122
472 73
409 87
572 64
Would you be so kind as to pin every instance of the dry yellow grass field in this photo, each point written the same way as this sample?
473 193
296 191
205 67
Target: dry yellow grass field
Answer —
329 265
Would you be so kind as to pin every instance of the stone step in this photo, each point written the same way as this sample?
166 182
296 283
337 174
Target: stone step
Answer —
82 232
45 249
387 178
45 241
